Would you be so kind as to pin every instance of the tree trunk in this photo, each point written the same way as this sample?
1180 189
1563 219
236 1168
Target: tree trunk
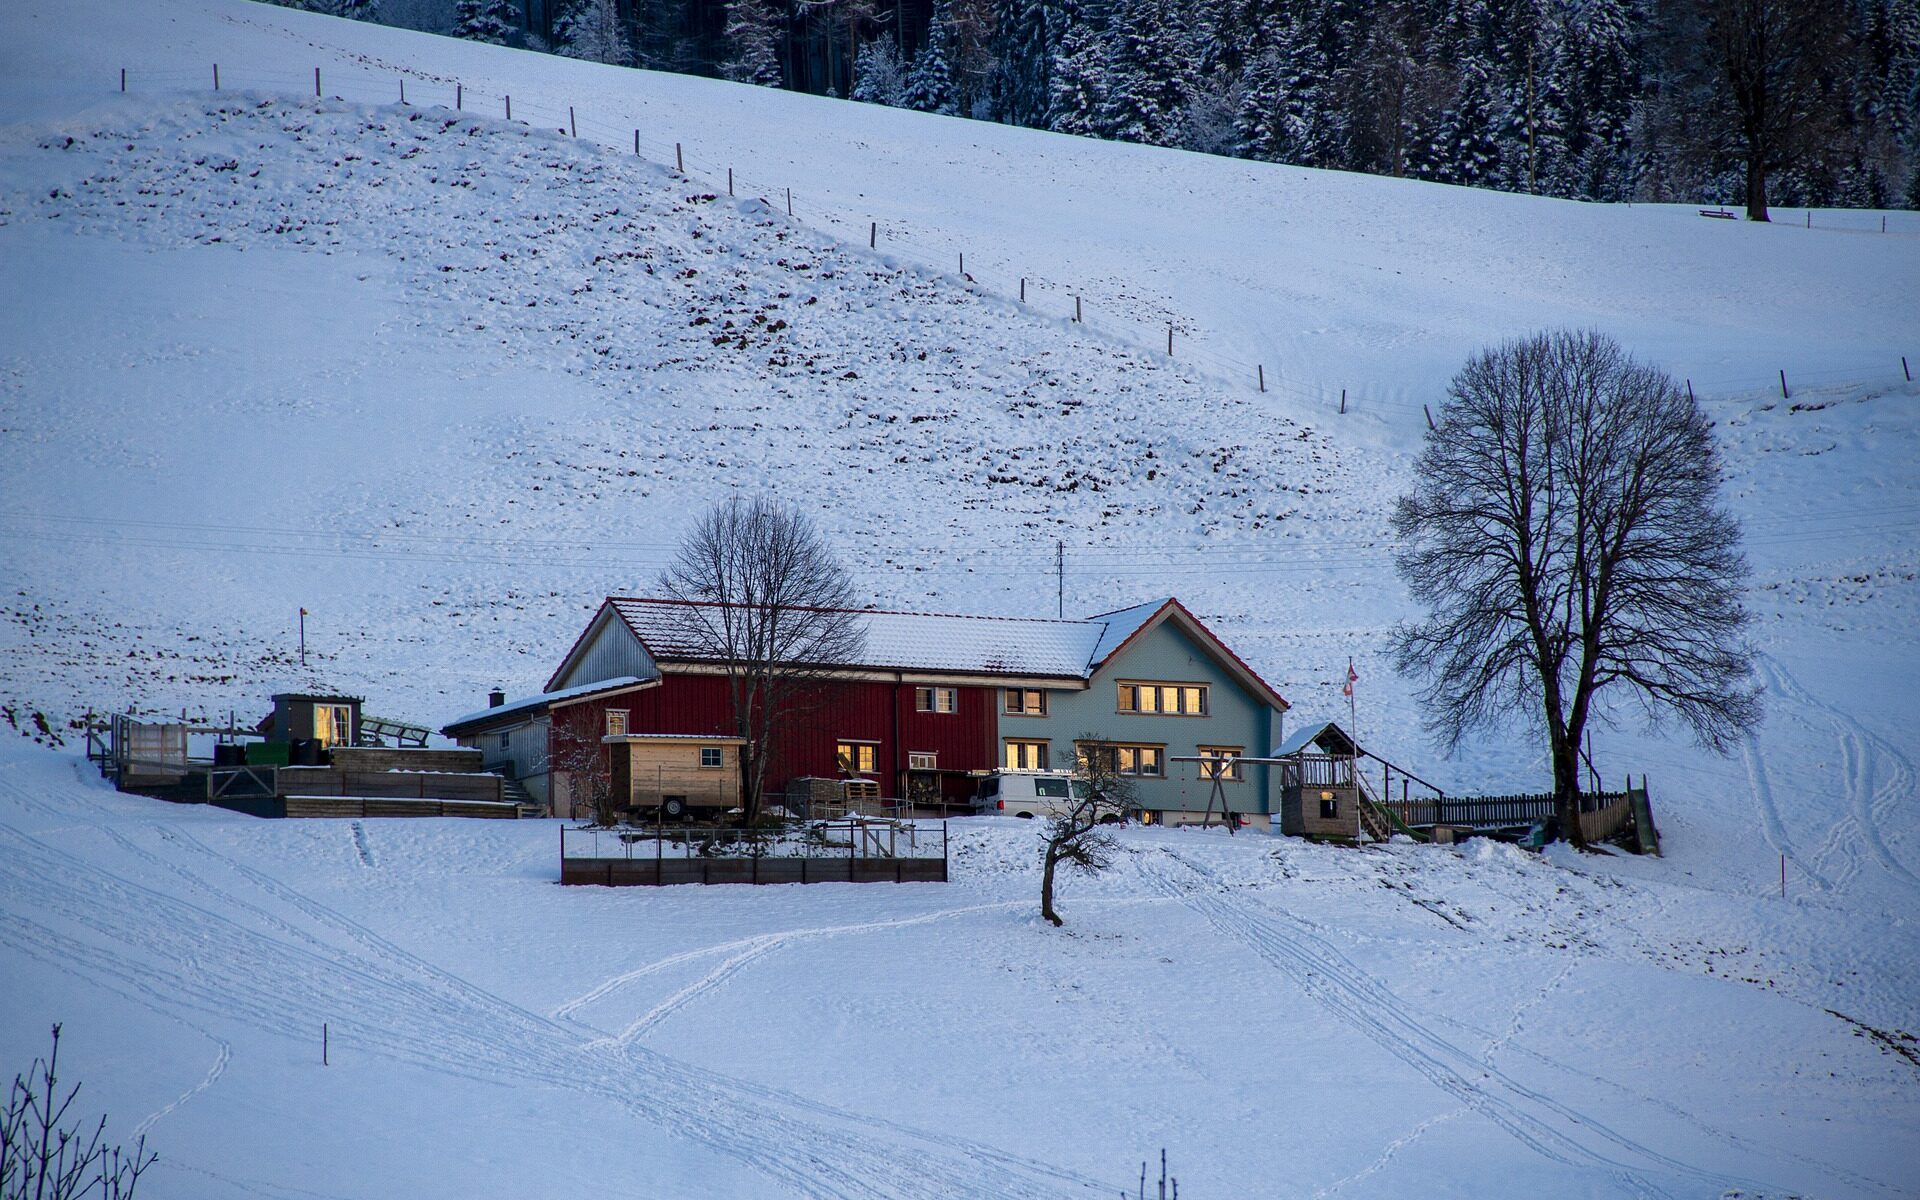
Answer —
1566 788
1756 189
1046 891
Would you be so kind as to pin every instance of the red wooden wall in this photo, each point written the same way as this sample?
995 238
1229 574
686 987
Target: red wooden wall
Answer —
855 710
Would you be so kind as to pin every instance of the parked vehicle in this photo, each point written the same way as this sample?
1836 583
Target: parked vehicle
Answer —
1029 793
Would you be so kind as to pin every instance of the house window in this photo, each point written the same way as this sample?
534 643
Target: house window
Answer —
920 761
506 741
1172 699
712 756
1119 759
1026 755
856 758
616 722
934 699
1026 702
1329 807
333 724
1231 773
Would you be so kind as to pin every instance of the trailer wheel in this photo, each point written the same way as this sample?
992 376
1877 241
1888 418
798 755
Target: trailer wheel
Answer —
674 806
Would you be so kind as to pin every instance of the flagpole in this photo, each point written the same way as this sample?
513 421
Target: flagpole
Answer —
1353 737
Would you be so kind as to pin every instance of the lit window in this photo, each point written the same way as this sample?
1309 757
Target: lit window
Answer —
712 756
1026 702
921 762
856 758
1232 772
1183 699
1098 758
935 699
1026 755
616 722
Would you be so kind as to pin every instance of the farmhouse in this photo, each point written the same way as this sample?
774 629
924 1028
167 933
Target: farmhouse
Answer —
934 702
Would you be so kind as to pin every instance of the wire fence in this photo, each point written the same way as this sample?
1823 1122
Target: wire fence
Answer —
1064 302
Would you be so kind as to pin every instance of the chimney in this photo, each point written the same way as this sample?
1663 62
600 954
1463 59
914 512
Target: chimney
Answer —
496 698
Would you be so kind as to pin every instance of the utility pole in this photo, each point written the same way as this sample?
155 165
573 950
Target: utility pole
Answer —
303 637
1060 577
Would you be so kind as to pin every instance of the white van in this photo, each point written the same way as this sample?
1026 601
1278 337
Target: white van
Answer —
1026 793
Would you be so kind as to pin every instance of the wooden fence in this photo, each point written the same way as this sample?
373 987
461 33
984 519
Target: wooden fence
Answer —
1602 814
854 851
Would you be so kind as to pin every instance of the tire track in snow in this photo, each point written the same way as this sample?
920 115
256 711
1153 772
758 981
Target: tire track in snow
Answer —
192 957
750 949
213 1075
1327 975
1771 826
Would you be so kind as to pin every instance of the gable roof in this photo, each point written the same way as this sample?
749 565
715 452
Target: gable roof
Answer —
1324 734
944 643
531 706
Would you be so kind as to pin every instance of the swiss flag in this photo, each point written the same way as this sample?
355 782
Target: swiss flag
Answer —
1346 689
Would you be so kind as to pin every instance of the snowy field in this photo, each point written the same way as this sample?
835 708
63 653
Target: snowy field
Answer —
447 381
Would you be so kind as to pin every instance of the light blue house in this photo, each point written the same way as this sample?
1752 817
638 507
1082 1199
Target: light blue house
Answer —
1158 686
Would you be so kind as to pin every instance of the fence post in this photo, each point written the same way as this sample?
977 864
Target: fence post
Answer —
459 97
573 130
1784 394
1262 369
1343 401
1689 391
679 162
1023 295
1169 339
403 91
729 181
1905 369
873 235
1076 308
789 201
636 143
123 87
509 100
216 77
316 83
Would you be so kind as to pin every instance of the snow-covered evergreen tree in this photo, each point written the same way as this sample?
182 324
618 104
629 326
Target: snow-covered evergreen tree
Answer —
1077 82
493 21
1153 72
592 30
879 75
752 44
930 81
1027 36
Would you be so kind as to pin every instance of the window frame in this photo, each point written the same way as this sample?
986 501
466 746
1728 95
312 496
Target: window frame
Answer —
934 695
1043 748
719 755
618 716
1156 750
864 751
1129 693
923 760
1008 700
1236 775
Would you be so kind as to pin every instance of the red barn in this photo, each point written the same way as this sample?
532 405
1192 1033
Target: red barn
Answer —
918 714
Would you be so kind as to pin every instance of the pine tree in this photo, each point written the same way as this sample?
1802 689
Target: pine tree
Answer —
494 21
1152 75
930 81
1078 80
591 30
1027 37
879 75
752 56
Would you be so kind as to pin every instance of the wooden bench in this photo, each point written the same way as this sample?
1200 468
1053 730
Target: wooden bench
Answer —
1723 214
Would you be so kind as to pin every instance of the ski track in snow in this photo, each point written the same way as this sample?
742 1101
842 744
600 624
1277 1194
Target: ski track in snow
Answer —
1868 803
1324 973
214 1072
182 955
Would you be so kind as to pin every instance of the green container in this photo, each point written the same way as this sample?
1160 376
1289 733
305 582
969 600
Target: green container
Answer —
266 754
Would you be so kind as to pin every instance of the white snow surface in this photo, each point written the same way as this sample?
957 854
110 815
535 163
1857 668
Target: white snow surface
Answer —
448 381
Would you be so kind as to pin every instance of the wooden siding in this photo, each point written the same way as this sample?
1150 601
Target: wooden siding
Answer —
672 768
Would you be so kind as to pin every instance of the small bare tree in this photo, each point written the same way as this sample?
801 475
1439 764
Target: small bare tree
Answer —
44 1157
1078 838
762 594
1565 536
586 762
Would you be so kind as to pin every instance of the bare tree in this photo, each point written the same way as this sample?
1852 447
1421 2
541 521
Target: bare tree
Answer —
1078 838
43 1156
764 595
585 761
1777 62
1565 536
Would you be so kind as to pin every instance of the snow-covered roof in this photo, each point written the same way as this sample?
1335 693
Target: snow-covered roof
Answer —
1308 733
949 643
531 705
942 642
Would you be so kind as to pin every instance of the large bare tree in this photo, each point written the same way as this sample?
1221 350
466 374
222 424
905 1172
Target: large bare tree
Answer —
1777 63
1566 538
764 596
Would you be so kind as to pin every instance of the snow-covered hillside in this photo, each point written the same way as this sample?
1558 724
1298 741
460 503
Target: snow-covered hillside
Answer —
447 380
